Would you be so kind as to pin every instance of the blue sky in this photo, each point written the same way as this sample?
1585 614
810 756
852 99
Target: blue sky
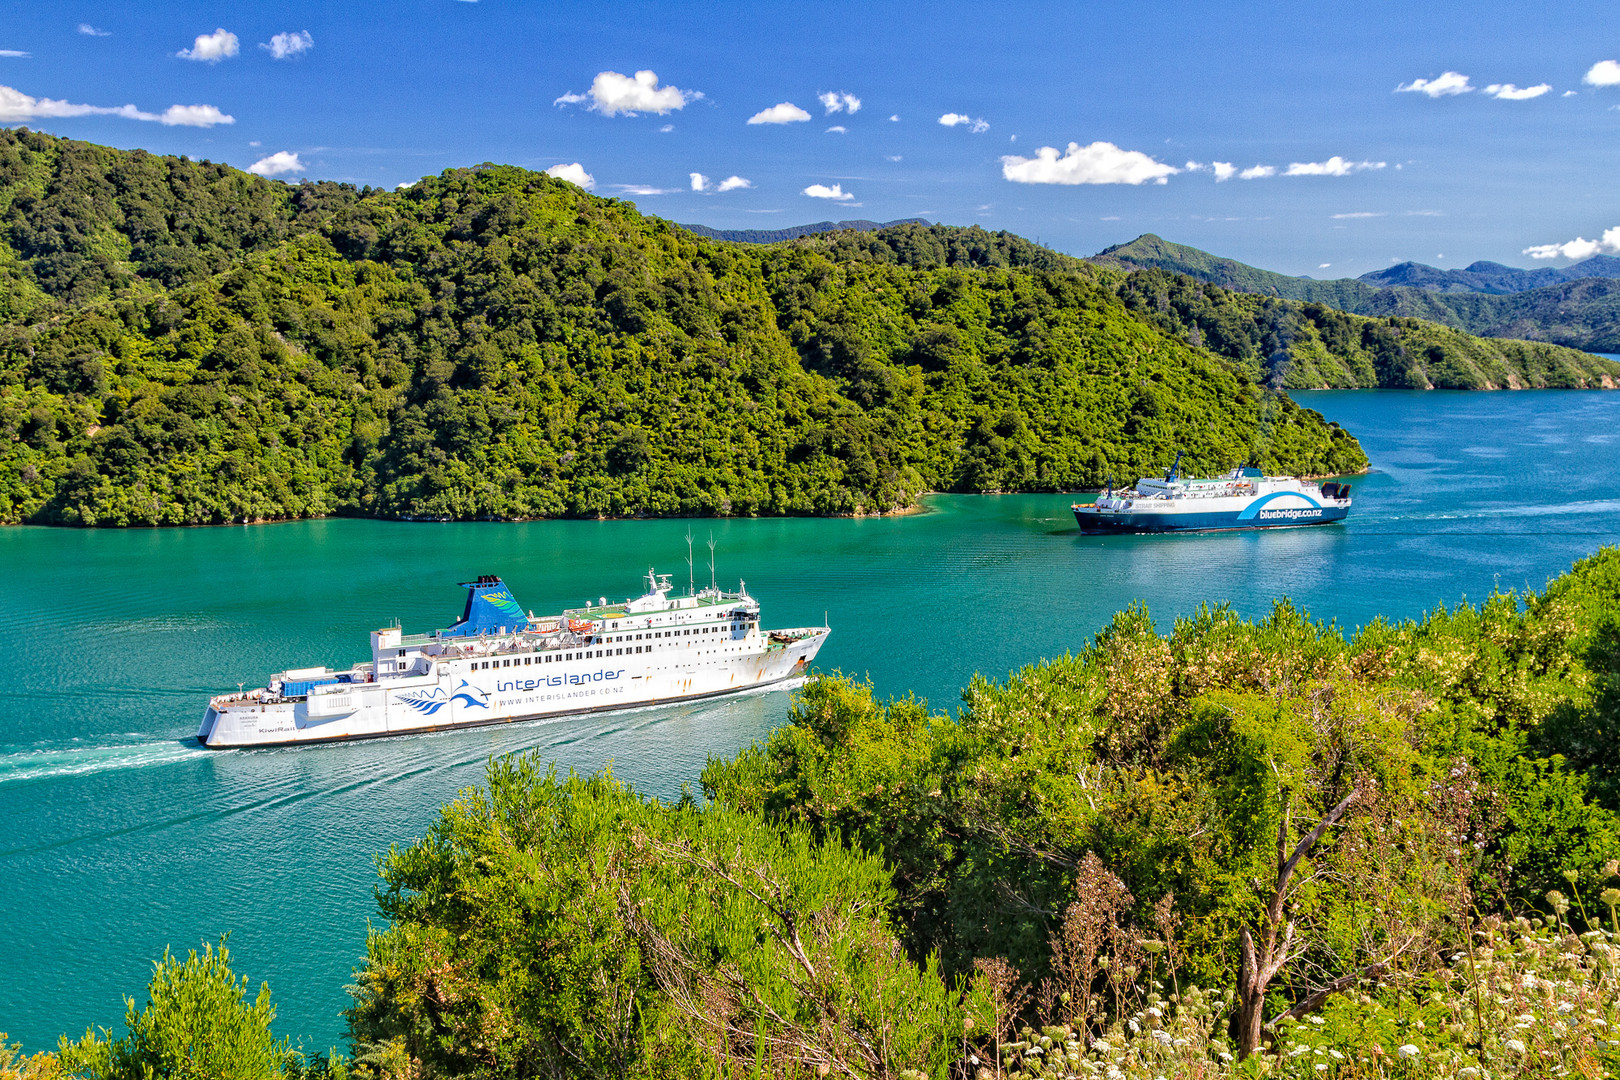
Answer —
1472 162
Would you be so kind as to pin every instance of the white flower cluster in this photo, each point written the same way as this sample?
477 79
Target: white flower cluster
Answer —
1548 1001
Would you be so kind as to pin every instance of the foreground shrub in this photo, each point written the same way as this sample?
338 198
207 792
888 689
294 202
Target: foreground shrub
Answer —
197 1023
571 927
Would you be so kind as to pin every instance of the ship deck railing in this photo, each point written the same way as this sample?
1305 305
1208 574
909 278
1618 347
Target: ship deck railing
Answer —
706 598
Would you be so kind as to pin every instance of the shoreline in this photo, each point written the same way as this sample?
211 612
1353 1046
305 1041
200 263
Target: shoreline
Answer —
915 509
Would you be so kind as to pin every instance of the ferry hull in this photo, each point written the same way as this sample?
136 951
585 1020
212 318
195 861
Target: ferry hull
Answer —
448 700
1127 521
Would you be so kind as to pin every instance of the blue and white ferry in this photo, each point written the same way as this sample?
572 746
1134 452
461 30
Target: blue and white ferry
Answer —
1242 499
499 664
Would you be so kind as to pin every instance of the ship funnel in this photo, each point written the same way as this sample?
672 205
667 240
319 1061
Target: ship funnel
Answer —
490 610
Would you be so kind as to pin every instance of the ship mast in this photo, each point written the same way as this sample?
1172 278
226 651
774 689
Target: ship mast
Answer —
691 578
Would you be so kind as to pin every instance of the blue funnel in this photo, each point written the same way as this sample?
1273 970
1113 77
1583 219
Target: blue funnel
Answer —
490 610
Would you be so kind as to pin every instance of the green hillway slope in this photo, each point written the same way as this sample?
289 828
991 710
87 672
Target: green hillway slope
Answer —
191 344
181 342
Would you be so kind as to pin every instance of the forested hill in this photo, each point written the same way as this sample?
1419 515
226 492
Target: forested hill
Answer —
190 344
1284 343
1580 312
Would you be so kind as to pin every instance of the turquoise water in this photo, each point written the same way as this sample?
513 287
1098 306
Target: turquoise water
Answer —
119 838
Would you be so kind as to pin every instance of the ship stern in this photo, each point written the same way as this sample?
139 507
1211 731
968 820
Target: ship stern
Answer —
210 721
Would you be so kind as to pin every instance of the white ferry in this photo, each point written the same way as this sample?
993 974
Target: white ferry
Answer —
1242 499
498 664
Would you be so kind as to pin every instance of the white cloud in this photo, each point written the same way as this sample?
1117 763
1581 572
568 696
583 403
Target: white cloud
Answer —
892 157
782 113
403 184
1354 214
895 119
1568 93
734 183
699 181
288 45
612 94
1224 170
1333 166
822 191
641 189
1424 213
1257 172
212 48
15 54
277 164
90 31
667 128
16 106
1509 92
574 173
837 129
1323 266
202 116
840 101
1446 85
1579 248
1098 163
975 125
1603 73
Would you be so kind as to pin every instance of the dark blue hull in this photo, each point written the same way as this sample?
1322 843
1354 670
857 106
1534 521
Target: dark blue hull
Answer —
1095 521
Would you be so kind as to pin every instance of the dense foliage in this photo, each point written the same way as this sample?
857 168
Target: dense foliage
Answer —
1172 758
554 928
189 344
1582 313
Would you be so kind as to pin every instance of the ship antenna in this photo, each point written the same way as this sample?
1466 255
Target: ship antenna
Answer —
712 586
691 581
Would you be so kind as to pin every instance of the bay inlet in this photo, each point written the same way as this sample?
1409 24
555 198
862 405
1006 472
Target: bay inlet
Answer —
121 837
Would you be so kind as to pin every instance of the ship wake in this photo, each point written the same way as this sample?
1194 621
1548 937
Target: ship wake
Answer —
47 762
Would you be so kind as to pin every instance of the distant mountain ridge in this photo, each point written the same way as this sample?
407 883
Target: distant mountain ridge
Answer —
1491 277
793 232
1582 312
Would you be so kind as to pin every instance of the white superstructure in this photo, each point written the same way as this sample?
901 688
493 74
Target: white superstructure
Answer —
498 665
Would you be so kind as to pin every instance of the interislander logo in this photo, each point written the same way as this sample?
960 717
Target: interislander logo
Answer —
428 702
558 680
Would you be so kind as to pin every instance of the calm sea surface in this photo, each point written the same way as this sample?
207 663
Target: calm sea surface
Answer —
117 838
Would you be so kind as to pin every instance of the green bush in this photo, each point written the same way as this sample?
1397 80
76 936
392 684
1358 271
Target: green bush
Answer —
197 1024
